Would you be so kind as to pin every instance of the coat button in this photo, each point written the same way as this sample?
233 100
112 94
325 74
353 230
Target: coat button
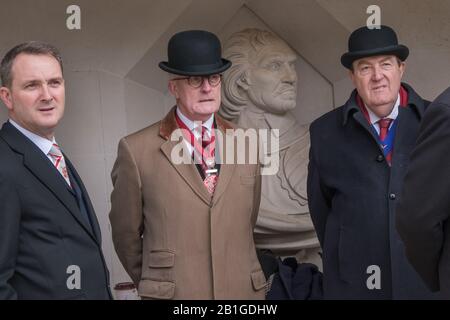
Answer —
392 196
380 158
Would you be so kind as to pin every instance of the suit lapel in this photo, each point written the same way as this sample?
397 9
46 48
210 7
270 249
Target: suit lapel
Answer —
91 212
42 168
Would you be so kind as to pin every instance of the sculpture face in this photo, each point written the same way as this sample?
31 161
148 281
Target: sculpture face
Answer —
272 79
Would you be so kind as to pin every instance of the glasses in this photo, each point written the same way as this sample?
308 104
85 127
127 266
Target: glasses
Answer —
197 81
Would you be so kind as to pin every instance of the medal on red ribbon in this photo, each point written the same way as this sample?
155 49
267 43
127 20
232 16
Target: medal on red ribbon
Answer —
203 155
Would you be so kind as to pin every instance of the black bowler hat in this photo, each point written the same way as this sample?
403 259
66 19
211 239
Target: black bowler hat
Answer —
365 42
194 53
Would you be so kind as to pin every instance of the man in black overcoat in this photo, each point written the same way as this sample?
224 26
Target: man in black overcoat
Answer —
424 212
358 158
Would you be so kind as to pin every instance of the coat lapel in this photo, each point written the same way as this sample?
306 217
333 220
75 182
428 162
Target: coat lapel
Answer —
41 167
187 171
359 117
351 109
408 123
226 170
407 118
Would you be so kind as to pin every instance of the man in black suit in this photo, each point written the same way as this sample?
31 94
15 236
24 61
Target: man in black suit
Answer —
358 158
423 214
49 235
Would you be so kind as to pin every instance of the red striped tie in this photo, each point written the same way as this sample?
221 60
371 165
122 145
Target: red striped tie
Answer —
384 129
59 162
208 144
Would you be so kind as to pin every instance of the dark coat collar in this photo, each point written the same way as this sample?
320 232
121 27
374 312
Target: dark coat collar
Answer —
414 101
169 124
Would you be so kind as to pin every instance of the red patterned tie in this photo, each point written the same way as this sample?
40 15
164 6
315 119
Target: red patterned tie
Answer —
204 152
208 145
206 138
59 162
384 129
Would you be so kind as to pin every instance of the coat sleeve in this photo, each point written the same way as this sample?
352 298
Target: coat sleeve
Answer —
425 202
318 201
257 190
256 196
10 215
126 215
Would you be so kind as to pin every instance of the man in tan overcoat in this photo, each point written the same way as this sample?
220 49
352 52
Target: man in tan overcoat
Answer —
185 230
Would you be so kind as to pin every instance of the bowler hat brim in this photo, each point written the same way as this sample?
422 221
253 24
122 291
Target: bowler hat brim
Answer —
400 51
202 70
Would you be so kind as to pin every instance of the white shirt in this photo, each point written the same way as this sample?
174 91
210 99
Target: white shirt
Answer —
393 115
42 143
194 124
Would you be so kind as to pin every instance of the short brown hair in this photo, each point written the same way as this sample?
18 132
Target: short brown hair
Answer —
30 47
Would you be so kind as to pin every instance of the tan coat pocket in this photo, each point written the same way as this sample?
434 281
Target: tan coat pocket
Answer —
258 280
248 180
160 266
156 289
161 259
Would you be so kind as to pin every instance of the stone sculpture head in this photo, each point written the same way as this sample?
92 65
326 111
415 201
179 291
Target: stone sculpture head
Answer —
263 75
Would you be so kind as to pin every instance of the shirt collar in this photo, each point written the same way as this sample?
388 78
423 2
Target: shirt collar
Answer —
193 124
414 101
42 143
393 115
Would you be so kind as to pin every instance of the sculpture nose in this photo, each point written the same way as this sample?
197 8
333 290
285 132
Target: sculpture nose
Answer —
289 73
